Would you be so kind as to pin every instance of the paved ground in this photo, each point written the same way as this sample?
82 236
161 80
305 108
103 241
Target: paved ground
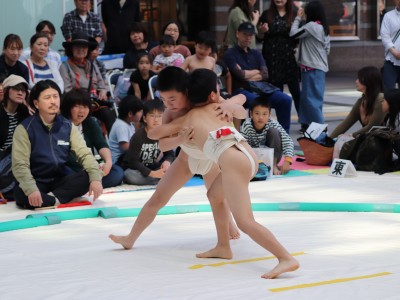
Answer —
340 95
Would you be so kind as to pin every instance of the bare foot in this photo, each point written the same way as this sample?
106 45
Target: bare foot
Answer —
234 232
282 267
217 252
123 240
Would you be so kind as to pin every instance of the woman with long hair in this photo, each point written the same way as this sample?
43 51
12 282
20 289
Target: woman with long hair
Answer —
279 48
391 106
241 11
368 109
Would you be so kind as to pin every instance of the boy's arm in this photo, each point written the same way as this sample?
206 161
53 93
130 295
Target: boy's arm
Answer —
166 130
186 63
233 106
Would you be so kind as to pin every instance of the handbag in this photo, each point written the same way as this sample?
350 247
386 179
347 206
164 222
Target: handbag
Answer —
315 154
262 87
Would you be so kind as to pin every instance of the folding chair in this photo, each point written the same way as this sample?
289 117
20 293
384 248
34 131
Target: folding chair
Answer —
112 80
152 85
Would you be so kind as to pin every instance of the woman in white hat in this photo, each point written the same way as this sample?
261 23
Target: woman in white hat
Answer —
13 110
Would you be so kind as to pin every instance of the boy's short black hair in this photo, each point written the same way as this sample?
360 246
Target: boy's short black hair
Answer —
167 40
152 105
200 85
262 101
206 38
172 78
129 104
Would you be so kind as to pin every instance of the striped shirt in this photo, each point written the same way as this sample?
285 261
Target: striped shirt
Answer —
42 72
12 124
256 138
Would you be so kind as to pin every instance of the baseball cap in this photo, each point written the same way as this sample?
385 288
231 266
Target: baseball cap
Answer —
14 80
247 27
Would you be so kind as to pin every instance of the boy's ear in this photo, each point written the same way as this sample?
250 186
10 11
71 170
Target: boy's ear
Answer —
213 97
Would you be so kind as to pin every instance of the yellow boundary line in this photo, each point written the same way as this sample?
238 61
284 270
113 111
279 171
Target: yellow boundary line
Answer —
339 280
219 264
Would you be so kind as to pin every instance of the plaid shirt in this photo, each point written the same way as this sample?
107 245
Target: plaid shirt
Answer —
73 23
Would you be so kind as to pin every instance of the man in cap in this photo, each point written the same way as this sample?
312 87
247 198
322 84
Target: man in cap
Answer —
250 74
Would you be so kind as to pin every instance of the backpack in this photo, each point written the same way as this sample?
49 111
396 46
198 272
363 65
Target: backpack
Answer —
373 151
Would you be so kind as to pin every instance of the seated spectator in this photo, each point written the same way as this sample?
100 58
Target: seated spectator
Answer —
167 57
260 130
79 72
204 45
129 112
9 60
2 77
42 144
12 112
47 28
76 107
368 109
140 77
140 43
144 161
250 74
38 66
81 19
93 55
173 29
391 106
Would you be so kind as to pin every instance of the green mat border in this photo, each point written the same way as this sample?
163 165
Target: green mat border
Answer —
53 218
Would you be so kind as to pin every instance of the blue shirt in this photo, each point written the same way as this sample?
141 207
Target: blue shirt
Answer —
250 60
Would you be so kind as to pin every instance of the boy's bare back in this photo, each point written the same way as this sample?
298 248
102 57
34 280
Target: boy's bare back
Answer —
193 62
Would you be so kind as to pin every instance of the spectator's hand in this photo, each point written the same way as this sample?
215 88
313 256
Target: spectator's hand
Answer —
300 12
285 168
263 27
157 174
395 53
95 189
256 16
186 134
103 95
165 165
106 167
35 199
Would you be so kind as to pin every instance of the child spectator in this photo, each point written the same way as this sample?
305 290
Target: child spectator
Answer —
313 59
260 130
203 49
129 111
145 162
167 57
140 77
76 107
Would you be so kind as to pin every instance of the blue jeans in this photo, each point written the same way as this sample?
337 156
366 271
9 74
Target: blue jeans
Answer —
113 178
312 96
278 100
390 75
